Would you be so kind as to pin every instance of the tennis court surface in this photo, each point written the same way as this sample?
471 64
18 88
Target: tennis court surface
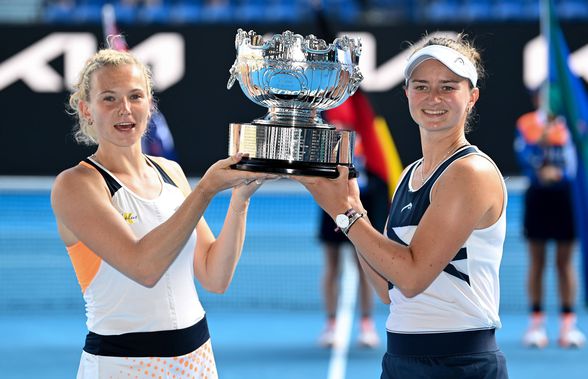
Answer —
266 325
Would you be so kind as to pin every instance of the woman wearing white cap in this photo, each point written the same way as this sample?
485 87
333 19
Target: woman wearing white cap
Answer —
437 262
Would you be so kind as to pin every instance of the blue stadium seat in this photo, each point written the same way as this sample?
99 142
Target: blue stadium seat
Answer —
155 14
126 11
345 11
573 9
477 10
90 12
185 12
510 9
442 11
298 11
349 12
284 11
251 11
59 12
217 11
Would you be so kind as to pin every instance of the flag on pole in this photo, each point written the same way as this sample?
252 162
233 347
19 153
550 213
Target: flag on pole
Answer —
565 95
376 143
393 163
158 140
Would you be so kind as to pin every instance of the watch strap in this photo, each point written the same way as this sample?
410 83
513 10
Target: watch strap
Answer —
352 220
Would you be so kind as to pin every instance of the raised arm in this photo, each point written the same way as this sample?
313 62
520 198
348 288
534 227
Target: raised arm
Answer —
468 196
82 205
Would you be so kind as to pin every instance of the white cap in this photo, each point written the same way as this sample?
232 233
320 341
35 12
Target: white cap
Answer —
452 59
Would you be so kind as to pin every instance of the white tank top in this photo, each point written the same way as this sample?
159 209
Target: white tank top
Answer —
116 304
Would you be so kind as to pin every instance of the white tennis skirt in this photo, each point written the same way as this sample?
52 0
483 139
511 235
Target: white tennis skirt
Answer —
197 364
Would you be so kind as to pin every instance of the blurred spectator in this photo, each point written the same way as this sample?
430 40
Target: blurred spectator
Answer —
546 154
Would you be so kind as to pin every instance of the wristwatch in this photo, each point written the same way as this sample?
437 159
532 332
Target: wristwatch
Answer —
345 220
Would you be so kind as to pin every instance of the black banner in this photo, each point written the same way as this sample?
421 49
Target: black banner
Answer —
191 65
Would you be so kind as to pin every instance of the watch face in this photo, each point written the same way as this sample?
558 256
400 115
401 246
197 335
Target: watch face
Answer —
342 221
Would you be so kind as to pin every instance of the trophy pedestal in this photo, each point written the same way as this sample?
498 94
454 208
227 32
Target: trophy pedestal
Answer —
292 150
292 168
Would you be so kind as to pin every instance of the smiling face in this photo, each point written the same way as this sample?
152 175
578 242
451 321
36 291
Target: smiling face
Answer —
119 104
439 99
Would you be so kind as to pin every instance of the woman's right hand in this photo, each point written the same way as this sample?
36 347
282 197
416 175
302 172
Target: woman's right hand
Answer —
221 176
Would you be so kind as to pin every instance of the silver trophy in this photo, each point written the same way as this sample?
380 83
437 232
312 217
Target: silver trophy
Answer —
295 77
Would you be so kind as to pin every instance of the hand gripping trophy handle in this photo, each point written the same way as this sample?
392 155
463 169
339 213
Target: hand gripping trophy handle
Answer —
296 78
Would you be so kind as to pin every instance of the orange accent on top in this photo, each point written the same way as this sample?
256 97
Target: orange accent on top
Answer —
85 263
535 131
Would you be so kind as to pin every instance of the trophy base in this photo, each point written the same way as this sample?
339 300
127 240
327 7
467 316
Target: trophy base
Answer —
292 150
274 166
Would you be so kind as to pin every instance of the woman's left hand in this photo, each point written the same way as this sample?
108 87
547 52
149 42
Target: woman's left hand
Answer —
333 195
246 189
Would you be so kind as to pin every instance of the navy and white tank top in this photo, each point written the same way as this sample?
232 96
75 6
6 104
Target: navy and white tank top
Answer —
466 294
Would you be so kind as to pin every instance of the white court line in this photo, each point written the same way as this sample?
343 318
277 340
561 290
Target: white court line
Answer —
345 311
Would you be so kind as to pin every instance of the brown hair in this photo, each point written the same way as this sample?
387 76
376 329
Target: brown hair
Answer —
460 44
463 45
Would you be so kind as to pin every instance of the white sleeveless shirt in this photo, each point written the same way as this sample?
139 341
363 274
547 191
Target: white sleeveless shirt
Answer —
116 304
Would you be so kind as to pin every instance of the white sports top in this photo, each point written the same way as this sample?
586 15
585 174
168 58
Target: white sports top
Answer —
466 294
116 304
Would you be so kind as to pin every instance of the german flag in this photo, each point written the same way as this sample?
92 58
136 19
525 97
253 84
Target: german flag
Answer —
374 140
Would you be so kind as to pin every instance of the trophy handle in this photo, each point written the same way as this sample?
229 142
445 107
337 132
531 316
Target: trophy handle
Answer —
354 81
233 76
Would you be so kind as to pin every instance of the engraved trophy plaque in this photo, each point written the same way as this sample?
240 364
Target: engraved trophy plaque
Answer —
295 77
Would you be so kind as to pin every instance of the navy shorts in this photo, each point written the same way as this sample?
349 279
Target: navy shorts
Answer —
463 355
549 214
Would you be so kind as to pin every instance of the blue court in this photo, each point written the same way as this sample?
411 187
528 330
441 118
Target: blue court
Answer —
267 323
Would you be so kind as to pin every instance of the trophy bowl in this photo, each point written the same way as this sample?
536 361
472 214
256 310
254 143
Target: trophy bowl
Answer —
296 78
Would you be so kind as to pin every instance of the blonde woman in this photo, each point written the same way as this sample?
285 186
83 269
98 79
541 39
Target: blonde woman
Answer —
136 236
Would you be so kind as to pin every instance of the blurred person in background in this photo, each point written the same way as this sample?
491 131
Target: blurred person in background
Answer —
135 232
437 263
547 157
354 114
